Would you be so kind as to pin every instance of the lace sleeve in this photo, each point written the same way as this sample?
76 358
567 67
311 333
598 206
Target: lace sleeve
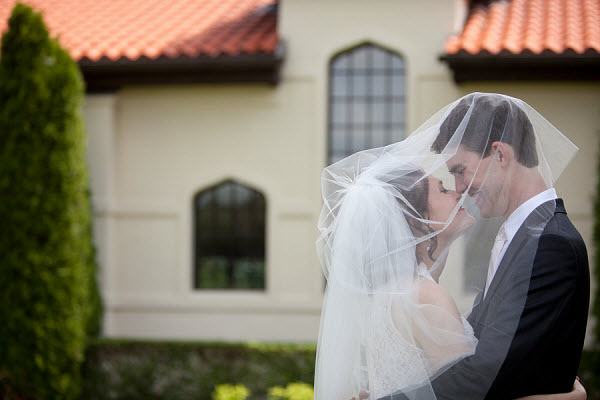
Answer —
437 328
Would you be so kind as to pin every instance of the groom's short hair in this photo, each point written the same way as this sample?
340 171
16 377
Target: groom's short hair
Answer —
495 116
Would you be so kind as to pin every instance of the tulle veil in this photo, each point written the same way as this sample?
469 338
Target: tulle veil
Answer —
375 248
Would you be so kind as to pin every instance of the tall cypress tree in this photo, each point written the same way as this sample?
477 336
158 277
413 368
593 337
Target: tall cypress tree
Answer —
48 296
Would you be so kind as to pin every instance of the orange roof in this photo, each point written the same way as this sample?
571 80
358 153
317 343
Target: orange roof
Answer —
530 26
114 30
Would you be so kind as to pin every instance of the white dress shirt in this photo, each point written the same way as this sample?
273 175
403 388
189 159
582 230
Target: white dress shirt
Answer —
516 219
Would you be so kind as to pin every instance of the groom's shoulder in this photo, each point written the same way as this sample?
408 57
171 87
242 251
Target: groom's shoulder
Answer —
560 229
560 224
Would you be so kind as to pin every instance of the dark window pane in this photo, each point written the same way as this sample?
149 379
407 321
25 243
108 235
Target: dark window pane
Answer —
338 140
249 273
336 157
379 85
339 85
359 85
359 112
378 137
229 238
397 85
212 273
397 113
341 63
361 57
339 113
359 139
378 112
398 132
397 63
380 59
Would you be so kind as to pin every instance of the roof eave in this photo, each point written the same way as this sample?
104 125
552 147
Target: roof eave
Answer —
106 75
523 67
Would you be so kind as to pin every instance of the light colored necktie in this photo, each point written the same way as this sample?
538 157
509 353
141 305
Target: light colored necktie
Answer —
499 244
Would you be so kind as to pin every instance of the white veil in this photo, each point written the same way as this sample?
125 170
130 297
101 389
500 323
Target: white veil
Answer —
387 225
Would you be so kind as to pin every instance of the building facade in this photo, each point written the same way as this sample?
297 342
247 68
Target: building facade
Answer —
352 74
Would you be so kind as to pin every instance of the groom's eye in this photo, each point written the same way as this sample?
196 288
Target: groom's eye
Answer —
457 171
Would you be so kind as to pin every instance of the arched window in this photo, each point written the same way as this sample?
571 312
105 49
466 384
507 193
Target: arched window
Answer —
229 237
366 100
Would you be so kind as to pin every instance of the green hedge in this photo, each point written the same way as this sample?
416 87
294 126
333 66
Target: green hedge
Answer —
122 369
132 370
48 296
589 373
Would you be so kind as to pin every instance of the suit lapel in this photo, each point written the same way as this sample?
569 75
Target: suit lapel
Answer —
518 256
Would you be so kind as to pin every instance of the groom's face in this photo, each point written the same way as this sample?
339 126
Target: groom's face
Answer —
480 178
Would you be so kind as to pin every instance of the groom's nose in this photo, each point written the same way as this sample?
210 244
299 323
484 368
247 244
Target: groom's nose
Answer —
460 185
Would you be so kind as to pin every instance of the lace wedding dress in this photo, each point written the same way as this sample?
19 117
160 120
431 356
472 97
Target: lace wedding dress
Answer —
394 357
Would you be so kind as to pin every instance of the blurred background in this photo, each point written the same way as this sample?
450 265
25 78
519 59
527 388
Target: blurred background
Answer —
209 122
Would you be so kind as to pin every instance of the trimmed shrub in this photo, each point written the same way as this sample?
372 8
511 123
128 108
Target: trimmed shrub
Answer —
129 369
118 369
589 373
48 295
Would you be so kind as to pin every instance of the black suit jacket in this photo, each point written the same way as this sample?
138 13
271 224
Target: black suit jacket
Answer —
531 324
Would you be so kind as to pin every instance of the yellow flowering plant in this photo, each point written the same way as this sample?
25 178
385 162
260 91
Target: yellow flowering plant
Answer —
230 392
293 391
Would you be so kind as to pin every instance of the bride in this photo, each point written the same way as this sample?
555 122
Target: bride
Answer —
387 224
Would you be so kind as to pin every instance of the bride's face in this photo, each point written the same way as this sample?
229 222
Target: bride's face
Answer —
441 202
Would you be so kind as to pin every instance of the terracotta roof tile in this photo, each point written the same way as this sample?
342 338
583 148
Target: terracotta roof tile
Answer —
536 26
130 29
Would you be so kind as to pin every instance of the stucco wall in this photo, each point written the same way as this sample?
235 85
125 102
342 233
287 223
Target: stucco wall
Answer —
152 148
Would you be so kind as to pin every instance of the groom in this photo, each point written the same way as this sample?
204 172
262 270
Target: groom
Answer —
531 318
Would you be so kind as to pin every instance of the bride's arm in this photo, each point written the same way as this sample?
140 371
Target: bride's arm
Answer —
578 393
436 325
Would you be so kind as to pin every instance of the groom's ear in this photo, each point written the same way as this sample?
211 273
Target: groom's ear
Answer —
502 153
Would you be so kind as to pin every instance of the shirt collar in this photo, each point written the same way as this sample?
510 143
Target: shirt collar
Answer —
516 219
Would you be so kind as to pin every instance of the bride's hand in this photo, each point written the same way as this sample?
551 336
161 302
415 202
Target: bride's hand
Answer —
579 390
361 396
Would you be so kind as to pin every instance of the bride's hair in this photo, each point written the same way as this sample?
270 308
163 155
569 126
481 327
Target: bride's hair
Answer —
416 194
